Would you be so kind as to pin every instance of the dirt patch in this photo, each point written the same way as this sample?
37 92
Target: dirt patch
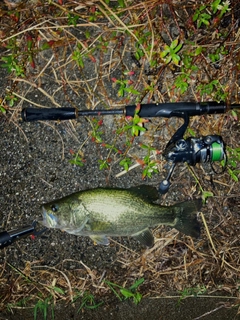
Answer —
157 308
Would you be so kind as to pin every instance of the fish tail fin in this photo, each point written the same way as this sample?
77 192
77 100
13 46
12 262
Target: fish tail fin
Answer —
186 217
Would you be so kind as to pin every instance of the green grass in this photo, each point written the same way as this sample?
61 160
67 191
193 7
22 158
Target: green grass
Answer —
126 293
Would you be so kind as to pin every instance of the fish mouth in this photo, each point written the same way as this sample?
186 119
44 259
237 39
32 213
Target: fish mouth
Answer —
49 219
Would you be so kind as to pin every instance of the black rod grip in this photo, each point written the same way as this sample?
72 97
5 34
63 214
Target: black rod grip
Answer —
5 239
8 237
172 109
34 114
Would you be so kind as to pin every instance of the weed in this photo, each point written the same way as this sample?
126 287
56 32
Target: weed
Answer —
182 82
87 301
125 163
125 87
72 19
103 164
189 292
3 106
21 303
201 16
121 3
205 13
169 53
78 159
13 65
17 60
205 193
221 6
96 133
187 68
143 39
150 166
235 115
127 293
94 14
42 306
2 109
213 89
11 98
77 56
233 161
135 125
216 56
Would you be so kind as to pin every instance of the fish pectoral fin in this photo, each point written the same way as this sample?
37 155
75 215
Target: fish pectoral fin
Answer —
97 239
145 237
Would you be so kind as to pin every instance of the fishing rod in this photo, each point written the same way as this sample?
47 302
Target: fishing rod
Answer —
9 237
192 150
166 110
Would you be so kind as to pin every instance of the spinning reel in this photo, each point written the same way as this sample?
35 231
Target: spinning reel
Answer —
207 149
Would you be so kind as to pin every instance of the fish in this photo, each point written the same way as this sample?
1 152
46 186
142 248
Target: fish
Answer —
106 212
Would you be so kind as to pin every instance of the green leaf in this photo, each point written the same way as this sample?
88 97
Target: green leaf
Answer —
58 290
126 293
87 34
206 16
206 194
121 92
137 298
174 44
191 132
125 163
2 109
215 5
45 46
176 59
202 8
233 175
121 3
198 51
165 51
206 22
169 58
137 284
178 47
195 16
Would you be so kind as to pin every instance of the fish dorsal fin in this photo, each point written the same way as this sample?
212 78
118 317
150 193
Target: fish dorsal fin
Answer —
147 192
145 237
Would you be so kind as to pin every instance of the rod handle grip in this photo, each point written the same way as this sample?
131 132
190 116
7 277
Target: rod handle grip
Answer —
5 239
176 109
34 114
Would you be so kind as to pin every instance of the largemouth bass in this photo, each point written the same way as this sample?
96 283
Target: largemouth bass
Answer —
102 212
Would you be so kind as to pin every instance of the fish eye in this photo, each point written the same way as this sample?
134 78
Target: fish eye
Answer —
54 208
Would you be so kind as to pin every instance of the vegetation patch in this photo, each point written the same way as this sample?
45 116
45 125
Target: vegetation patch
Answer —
106 55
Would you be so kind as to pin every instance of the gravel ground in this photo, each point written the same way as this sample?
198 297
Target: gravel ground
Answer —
35 169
